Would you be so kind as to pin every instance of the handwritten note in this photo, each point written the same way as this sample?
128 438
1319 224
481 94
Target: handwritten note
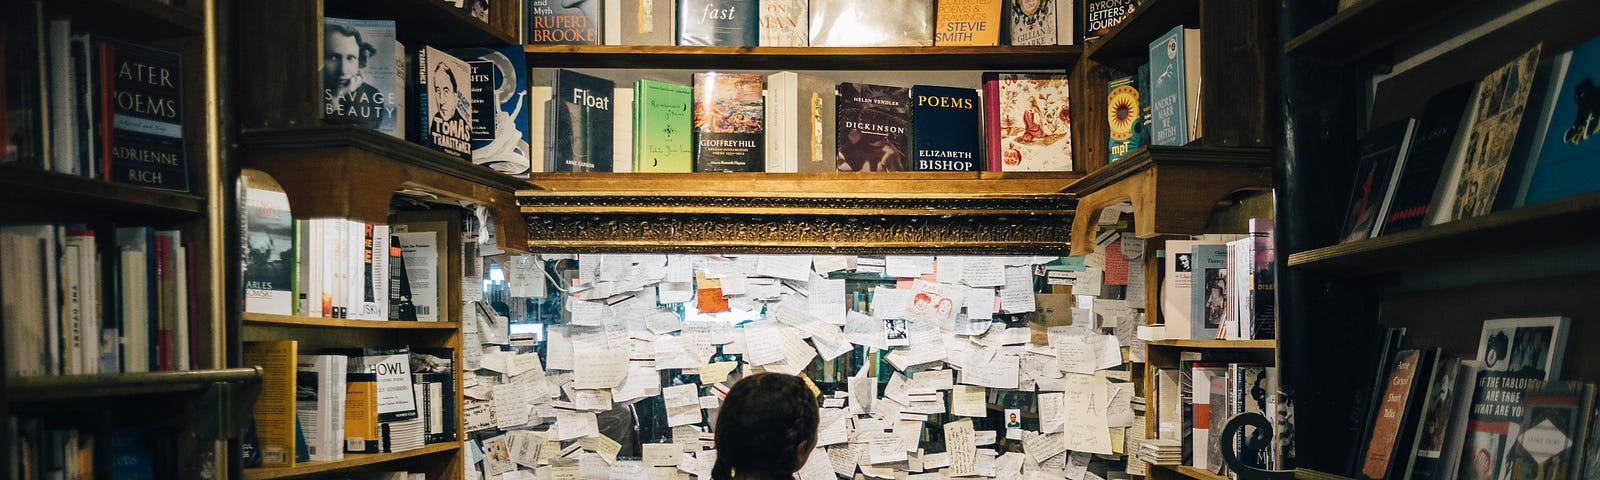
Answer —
961 446
968 401
826 300
1086 428
572 425
510 405
947 269
763 343
602 369
885 447
792 267
866 331
1043 446
1001 372
1052 413
1119 408
983 271
907 266
716 372
1078 353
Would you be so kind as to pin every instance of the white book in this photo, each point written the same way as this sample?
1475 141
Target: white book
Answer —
21 269
781 154
420 252
611 23
339 268
63 101
72 316
540 91
88 302
135 278
319 403
622 131
380 273
180 328
1066 22
356 290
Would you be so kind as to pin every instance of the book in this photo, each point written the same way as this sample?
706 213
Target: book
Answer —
275 406
1514 354
563 22
420 254
582 116
1542 95
269 252
320 403
392 368
1439 452
622 130
1031 22
29 251
1175 87
1205 376
1027 121
873 128
800 128
401 306
444 103
1251 388
1380 158
360 81
1432 141
361 413
945 128
500 128
733 23
1493 131
785 23
852 23
967 23
662 124
1100 15
728 122
1551 432
1393 426
1566 158
1123 113
649 22
63 100
1209 298
146 143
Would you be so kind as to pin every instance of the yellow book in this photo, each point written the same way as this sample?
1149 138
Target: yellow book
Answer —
967 23
274 410
361 433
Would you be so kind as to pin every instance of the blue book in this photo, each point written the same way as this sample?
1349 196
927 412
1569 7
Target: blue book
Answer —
1123 115
944 135
500 128
1569 152
130 458
1174 82
734 23
1210 290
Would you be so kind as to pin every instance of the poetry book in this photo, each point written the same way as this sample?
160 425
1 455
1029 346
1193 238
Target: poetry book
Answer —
874 128
1029 122
500 127
945 131
1032 22
146 146
359 78
581 123
729 118
719 22
564 22
968 23
662 137
1494 130
444 102
785 23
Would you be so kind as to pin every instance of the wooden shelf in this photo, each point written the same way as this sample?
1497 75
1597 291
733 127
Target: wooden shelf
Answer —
1172 189
1268 344
1369 27
350 461
132 19
1131 37
62 387
1190 472
352 172
979 212
1503 232
61 192
1053 57
424 22
293 321
1309 474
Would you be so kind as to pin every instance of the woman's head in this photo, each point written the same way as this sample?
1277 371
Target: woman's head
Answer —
766 427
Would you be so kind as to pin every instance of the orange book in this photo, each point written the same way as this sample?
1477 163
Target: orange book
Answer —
274 410
967 23
361 433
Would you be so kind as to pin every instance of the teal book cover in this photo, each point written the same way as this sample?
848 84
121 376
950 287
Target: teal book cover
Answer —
1123 115
1569 157
1168 72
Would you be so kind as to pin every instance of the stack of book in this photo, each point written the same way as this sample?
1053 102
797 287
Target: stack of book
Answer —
1162 451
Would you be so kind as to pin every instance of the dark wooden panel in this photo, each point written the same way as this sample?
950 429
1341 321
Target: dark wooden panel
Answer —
1366 29
279 82
506 16
1236 102
1089 115
1128 43
130 19
424 22
1052 57
61 194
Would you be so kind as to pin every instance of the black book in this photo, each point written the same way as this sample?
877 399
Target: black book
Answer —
581 119
444 103
146 110
1379 152
946 126
874 126
1431 145
22 106
401 307
734 23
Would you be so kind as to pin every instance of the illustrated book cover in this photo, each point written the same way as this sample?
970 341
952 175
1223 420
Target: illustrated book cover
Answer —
269 253
1031 22
1175 87
1378 155
1514 355
1123 117
444 103
663 127
729 122
1028 122
874 128
1502 95
1569 156
500 126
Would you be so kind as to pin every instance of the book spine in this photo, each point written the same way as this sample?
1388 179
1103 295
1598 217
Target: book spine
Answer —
991 119
63 121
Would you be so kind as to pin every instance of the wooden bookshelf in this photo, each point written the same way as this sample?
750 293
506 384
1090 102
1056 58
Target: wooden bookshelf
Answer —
425 22
1131 37
1504 231
58 191
1268 344
262 319
350 461
1365 29
1008 57
1172 189
352 172
1160 472
822 184
133 19
112 385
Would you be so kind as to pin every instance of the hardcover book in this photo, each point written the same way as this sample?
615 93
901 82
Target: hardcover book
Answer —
1493 131
800 126
728 122
968 23
1031 22
269 253
853 23
1431 143
1028 122
1209 297
319 404
1445 425
1515 355
359 73
785 23
649 22
874 128
1100 15
733 23
563 22
663 126
1380 151
1551 432
1123 112
581 123
1174 84
945 128
444 103
500 128
147 145
1395 416
1569 152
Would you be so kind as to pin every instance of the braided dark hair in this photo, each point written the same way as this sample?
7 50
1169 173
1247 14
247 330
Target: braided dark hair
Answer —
764 421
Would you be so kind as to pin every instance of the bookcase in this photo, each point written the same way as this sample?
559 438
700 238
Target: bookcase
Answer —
339 170
1365 65
183 416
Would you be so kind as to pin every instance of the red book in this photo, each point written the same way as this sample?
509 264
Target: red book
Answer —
162 321
105 62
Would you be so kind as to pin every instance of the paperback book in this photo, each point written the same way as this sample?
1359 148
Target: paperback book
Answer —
269 255
1028 121
1569 155
1502 96
444 103
649 22
728 122
1174 86
663 126
874 128
1551 432
500 127
945 131
1394 419
1123 115
734 23
1100 15
1431 145
360 82
879 23
1380 151
785 23
800 123
968 23
563 22
146 146
1031 22
1515 356
581 123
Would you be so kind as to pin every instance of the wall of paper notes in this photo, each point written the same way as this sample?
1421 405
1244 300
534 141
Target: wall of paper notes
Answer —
613 366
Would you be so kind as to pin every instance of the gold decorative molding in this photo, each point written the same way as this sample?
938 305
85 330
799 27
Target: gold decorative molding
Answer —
961 213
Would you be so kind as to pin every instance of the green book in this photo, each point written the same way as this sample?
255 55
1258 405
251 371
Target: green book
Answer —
662 127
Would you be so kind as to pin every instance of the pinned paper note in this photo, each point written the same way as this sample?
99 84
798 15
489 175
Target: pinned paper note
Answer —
601 369
961 446
1086 428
